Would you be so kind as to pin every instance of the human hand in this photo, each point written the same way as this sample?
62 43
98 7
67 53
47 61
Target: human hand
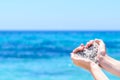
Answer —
106 62
81 62
101 49
87 63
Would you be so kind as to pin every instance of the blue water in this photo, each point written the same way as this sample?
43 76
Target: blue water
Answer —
45 55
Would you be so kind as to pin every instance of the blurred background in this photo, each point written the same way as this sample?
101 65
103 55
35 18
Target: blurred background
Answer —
37 36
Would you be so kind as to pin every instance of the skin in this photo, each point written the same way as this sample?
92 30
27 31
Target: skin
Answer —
93 68
106 62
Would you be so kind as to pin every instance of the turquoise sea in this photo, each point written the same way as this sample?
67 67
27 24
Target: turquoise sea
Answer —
45 55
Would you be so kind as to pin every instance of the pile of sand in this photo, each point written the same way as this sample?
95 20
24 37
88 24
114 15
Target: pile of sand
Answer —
90 52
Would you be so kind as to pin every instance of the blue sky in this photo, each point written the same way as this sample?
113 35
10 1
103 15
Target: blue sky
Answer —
60 15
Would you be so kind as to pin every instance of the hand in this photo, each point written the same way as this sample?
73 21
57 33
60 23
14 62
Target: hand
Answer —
88 64
101 48
81 62
106 62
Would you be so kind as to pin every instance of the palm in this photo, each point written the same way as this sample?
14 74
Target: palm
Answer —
81 62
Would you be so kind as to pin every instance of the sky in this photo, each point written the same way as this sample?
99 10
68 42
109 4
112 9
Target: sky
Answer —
59 14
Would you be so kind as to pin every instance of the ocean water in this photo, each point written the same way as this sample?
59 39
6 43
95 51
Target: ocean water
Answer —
45 55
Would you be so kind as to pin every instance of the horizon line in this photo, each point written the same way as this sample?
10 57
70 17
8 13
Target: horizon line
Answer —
58 30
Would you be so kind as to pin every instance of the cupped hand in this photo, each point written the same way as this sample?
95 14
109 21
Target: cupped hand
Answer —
86 63
79 61
102 48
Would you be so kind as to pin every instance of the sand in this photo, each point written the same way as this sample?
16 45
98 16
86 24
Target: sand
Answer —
90 53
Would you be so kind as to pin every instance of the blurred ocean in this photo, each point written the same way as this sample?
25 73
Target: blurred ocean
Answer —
45 55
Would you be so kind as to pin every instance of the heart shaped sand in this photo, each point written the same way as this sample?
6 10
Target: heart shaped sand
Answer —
90 53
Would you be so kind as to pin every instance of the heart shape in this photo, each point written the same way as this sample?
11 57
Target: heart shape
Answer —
90 53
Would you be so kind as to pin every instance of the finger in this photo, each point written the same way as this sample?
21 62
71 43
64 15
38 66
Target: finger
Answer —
75 57
79 59
99 41
89 43
102 50
78 49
